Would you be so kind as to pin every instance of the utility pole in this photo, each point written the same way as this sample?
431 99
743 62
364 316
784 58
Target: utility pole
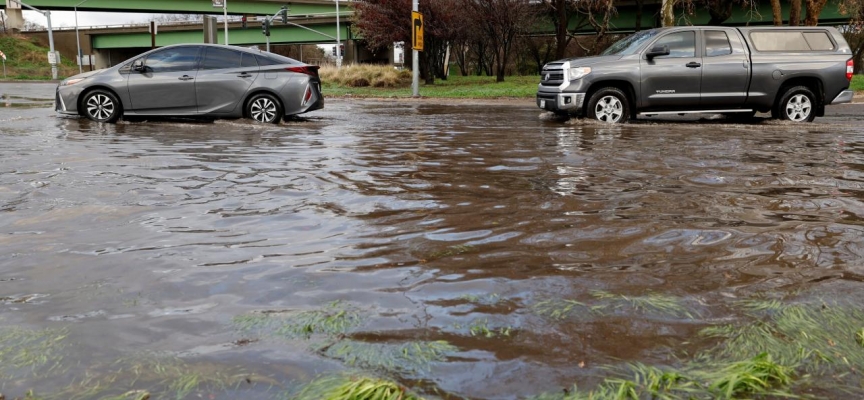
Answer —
52 59
225 16
78 39
415 58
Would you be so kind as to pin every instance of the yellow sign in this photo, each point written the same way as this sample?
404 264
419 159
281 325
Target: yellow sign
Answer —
416 31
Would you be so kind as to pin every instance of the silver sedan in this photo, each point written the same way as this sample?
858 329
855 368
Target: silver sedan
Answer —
191 80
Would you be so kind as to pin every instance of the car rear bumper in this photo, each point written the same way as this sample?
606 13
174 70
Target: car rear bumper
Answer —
844 97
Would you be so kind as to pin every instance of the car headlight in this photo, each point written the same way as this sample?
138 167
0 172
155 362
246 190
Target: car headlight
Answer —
72 81
579 72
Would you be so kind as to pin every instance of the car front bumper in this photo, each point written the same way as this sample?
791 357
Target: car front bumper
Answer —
560 101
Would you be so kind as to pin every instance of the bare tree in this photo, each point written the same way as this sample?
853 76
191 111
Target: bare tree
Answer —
501 22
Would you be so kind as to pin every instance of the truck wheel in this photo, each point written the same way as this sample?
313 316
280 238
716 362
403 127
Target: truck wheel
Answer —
609 105
798 104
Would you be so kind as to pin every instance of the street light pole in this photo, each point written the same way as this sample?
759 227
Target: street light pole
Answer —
415 60
225 15
338 42
53 59
78 38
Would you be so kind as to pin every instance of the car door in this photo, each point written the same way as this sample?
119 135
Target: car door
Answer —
725 70
672 81
166 82
223 79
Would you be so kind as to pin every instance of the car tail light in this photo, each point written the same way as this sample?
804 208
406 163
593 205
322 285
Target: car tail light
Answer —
308 95
850 67
311 70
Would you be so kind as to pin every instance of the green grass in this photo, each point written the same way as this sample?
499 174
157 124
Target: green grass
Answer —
25 60
603 303
459 87
30 352
857 83
406 357
346 387
334 319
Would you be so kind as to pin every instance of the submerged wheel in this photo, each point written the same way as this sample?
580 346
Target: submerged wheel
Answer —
101 106
264 108
797 104
609 105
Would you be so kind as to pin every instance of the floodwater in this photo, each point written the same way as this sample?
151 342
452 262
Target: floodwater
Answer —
148 243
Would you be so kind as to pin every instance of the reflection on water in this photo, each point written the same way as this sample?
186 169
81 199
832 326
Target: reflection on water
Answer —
511 254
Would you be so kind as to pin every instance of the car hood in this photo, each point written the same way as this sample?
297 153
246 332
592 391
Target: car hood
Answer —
87 74
589 61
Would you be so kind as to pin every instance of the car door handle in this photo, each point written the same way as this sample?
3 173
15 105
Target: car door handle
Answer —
244 75
185 78
693 65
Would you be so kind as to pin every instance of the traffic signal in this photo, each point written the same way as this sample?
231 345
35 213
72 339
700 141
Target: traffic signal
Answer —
334 51
265 27
243 20
284 14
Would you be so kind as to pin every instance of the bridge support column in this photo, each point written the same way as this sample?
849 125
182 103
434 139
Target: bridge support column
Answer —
667 12
14 17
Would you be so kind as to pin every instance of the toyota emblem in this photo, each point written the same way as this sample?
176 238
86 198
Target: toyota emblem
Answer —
546 78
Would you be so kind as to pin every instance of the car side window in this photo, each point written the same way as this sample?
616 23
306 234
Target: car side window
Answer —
717 44
249 61
681 44
264 61
172 59
218 58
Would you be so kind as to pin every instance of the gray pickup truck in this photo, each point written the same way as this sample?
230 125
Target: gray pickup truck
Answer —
791 72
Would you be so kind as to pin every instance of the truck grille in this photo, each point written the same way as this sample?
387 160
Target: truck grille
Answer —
552 77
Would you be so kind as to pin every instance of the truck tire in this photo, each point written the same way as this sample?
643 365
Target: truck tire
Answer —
609 105
797 104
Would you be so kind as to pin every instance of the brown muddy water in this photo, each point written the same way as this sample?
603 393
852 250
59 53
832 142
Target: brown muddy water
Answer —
463 250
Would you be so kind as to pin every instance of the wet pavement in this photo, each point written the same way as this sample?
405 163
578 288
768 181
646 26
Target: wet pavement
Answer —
474 223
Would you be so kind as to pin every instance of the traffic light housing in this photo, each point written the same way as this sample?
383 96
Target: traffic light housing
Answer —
243 21
284 13
265 27
334 51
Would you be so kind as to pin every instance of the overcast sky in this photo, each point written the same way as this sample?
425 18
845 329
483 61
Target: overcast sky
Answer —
67 18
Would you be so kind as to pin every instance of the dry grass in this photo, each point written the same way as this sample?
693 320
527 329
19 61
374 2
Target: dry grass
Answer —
361 75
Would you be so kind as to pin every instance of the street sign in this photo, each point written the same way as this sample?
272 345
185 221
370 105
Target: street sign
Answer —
53 57
417 31
3 55
218 3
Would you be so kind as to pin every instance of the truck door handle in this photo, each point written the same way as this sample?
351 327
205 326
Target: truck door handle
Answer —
693 65
185 78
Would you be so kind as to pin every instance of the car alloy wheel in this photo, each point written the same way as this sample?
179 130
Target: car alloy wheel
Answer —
101 106
264 108
609 105
798 108
608 109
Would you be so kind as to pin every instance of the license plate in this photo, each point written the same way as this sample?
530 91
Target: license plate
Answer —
542 103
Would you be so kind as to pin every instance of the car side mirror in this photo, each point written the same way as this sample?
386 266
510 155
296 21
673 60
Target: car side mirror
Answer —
657 51
138 65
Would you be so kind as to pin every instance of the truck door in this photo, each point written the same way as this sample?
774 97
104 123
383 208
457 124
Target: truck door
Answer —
672 82
725 70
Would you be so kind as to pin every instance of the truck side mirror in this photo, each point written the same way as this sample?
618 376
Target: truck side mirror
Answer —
138 65
657 51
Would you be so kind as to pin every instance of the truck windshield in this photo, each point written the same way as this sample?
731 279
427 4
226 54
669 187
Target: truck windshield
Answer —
630 44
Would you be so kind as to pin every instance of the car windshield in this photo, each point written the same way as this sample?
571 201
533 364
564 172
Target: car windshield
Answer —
630 44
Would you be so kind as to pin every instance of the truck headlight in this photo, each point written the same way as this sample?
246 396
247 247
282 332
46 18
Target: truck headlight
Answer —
579 72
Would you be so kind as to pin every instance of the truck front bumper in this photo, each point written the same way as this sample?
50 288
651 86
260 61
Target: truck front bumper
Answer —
560 101
844 97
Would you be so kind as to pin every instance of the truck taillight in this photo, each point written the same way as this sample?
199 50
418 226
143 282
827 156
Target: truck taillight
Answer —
850 67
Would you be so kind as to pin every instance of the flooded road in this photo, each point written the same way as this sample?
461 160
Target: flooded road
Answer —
465 250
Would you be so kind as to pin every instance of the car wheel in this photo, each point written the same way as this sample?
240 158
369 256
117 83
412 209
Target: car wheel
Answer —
101 106
798 104
264 108
609 105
